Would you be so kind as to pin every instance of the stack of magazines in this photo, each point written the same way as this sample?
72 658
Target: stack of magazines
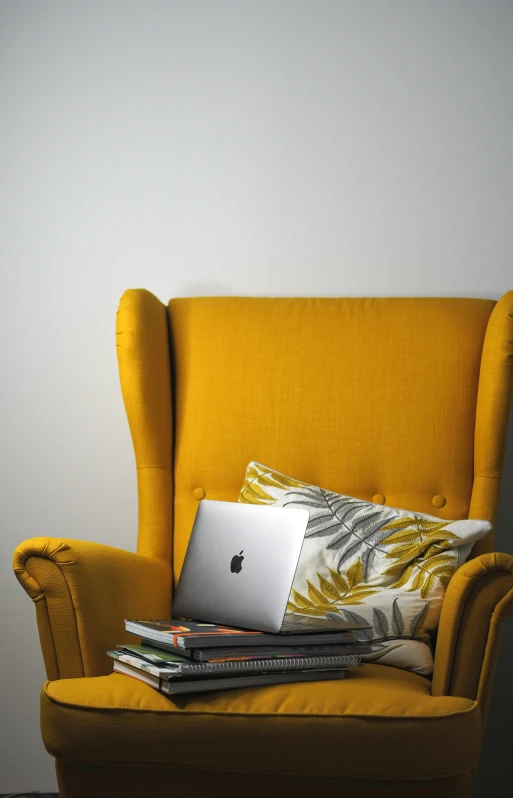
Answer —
178 656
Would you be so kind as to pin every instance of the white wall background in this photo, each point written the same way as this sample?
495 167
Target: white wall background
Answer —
272 147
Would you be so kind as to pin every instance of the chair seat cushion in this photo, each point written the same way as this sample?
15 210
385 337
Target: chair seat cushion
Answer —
379 722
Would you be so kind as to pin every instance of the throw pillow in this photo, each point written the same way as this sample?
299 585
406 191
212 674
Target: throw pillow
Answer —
370 563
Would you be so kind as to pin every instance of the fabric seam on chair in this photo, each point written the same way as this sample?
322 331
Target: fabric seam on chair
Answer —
39 598
384 777
273 715
473 586
488 572
500 617
489 634
57 565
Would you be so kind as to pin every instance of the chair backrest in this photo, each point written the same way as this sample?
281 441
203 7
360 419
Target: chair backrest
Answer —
403 398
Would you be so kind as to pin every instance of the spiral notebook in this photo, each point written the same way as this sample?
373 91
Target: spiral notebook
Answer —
202 685
187 668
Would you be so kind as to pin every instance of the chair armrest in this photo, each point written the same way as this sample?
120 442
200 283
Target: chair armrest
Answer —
478 598
83 592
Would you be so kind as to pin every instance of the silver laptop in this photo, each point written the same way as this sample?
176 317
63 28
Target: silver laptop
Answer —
240 564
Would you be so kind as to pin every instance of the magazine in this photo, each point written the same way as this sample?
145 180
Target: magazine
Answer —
193 634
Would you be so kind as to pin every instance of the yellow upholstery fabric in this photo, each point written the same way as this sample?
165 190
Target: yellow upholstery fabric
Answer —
403 399
83 591
478 598
142 343
361 396
355 727
492 412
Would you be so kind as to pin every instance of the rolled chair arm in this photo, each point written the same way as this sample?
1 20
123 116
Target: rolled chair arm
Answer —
83 592
478 598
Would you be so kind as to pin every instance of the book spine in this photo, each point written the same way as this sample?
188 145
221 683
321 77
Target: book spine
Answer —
280 664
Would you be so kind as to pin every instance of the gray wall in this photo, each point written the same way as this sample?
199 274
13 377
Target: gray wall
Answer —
278 147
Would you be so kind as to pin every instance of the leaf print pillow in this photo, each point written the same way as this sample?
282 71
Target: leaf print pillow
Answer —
382 566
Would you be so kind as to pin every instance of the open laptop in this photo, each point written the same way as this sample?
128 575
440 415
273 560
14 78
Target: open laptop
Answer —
240 564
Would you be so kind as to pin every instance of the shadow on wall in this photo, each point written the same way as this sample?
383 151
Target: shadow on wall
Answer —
496 765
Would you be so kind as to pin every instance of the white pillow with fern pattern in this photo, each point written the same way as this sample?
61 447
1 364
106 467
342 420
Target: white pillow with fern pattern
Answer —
369 563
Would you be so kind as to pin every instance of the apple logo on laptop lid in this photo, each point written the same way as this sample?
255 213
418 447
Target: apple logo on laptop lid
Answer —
236 563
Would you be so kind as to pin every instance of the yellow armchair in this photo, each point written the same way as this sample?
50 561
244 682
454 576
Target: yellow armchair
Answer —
408 398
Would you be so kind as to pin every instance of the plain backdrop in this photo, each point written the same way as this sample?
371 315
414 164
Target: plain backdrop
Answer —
262 147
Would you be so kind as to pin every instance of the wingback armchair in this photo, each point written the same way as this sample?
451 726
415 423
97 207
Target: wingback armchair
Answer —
407 398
